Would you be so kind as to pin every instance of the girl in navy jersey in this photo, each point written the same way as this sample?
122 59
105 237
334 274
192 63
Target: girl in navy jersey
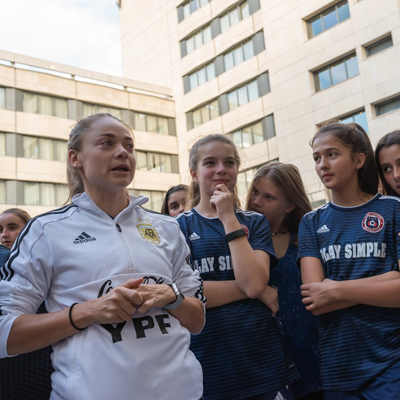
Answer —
353 237
277 191
384 294
240 348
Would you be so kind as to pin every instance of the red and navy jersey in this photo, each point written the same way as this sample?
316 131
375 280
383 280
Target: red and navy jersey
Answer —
358 342
240 348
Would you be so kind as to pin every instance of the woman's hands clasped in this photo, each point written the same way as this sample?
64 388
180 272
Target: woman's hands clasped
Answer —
121 303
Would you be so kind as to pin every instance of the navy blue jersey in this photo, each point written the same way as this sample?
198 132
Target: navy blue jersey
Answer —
359 342
299 326
240 348
4 253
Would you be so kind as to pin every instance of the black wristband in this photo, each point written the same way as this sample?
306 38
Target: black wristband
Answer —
70 318
235 235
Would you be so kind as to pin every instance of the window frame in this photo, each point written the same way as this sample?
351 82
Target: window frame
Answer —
202 110
39 151
149 165
241 48
353 115
53 100
2 98
97 108
196 33
195 73
386 38
56 187
329 67
237 7
158 125
240 88
140 192
3 183
192 9
320 16
266 134
386 102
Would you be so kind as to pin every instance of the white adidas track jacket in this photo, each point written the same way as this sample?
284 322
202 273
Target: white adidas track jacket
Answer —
78 253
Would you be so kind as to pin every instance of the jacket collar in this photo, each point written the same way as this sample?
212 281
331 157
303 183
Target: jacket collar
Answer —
83 201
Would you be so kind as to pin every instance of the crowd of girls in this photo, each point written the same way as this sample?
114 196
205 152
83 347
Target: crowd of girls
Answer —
273 331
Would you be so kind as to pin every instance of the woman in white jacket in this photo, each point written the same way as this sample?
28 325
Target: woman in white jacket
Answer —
121 298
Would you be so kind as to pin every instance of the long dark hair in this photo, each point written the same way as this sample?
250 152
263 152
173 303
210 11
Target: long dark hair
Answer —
353 136
386 141
173 189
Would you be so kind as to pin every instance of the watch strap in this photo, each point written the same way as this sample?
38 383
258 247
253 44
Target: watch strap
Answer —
179 297
235 235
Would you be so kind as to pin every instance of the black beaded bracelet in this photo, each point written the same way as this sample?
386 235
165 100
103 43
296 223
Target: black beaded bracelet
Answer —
70 318
235 235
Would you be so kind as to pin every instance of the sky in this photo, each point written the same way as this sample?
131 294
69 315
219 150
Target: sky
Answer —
81 33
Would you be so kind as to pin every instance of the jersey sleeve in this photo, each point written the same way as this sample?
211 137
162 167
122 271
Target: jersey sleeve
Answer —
25 279
260 238
397 229
184 275
307 243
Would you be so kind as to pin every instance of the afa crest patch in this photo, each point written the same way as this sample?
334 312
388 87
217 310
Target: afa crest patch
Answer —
373 222
148 232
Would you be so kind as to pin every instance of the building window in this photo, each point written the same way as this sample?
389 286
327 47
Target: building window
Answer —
244 180
199 38
243 95
45 149
2 144
201 76
336 73
238 55
234 15
379 45
388 106
205 113
45 105
254 133
328 19
45 194
156 162
224 62
2 98
189 7
359 118
90 109
151 123
155 198
3 195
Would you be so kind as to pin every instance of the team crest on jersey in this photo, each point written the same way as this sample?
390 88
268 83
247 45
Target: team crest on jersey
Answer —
373 222
148 232
246 229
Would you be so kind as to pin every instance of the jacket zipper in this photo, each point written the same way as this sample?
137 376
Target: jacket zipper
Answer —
125 247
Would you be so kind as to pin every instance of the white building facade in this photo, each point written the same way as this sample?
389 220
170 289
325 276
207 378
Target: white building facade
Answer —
268 72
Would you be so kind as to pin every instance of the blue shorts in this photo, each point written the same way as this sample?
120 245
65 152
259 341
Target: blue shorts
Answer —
284 393
385 386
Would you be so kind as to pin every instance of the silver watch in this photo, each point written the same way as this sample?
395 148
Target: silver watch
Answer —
179 298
